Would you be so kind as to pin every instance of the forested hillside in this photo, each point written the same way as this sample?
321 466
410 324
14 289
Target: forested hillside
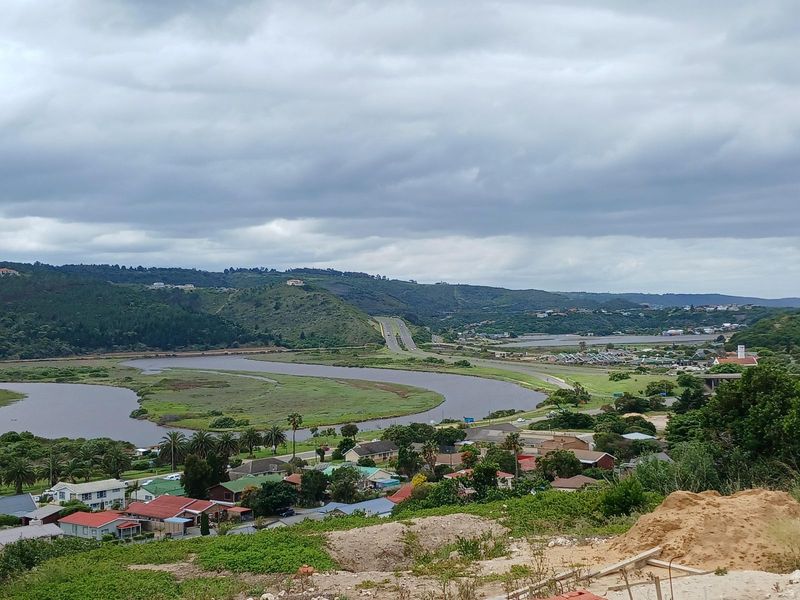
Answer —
54 315
45 313
780 333
300 317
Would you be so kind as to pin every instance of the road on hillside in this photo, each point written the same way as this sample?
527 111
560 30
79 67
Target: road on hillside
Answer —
391 327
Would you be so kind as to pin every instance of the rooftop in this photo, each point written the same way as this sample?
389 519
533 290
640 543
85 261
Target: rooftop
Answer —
161 487
29 532
17 506
253 481
379 447
572 483
164 507
92 486
86 519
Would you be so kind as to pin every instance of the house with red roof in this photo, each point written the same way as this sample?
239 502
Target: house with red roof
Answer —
96 525
173 514
404 493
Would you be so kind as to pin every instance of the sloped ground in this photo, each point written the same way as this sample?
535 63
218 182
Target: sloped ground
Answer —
706 530
393 546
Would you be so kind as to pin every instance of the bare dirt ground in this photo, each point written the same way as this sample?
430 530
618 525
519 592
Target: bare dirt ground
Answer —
392 546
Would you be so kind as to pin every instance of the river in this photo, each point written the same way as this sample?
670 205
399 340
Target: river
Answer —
80 410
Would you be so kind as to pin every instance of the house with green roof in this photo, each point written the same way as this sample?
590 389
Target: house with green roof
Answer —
231 491
153 488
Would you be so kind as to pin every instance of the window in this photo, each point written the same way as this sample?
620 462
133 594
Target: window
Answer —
86 496
101 494
60 495
85 530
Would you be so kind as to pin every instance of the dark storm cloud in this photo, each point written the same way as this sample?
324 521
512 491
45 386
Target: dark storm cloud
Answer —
399 120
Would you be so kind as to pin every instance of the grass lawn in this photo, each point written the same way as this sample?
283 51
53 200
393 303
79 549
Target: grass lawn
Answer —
190 396
7 397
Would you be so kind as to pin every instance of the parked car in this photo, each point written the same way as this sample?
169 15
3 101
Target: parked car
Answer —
286 512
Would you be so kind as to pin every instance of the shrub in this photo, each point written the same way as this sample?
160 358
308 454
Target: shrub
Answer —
623 497
618 376
223 423
9 520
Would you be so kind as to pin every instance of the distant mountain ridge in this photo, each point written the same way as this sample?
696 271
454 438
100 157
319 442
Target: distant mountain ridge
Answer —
668 300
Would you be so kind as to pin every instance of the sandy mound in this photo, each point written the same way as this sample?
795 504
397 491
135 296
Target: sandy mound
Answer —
392 546
708 530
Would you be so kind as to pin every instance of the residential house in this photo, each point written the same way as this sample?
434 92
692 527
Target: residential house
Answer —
590 458
231 491
564 442
96 525
4 272
371 477
740 357
50 513
403 494
97 495
295 283
377 507
526 463
570 484
495 433
172 514
153 488
446 455
379 451
504 480
295 479
29 532
259 466
17 506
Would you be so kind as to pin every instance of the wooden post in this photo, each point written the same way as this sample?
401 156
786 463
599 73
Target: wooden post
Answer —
657 582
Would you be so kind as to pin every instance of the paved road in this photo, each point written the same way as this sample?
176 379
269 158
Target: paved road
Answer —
392 327
521 368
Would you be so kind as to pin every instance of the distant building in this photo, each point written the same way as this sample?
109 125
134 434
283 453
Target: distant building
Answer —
259 466
295 283
4 272
739 358
152 489
231 491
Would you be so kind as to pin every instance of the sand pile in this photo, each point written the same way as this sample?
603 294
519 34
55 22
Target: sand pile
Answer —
393 545
708 530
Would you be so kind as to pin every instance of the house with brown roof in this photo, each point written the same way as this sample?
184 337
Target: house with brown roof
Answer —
590 458
174 513
96 525
564 442
504 480
379 451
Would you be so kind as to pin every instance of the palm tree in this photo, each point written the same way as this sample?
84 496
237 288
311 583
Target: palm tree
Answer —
227 444
173 447
514 444
275 436
74 469
202 443
132 487
53 468
295 420
250 438
19 472
116 461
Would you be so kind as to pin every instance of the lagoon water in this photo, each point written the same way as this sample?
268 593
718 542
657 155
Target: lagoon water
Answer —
80 410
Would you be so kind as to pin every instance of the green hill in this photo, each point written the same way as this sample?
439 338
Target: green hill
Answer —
300 317
780 333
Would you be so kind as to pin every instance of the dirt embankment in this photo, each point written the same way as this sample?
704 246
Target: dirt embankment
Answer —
393 545
707 530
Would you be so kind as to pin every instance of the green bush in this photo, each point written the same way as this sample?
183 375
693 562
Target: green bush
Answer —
9 521
623 498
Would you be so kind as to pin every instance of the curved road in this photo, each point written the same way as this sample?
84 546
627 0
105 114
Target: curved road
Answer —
391 328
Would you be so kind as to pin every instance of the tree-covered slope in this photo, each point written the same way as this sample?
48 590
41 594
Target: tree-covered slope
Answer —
51 314
301 317
780 333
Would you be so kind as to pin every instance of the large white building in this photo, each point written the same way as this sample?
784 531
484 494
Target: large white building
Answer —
97 495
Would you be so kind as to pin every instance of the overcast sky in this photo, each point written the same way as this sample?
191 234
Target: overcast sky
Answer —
628 145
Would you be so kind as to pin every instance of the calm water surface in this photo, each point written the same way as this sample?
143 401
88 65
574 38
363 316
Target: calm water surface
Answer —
78 410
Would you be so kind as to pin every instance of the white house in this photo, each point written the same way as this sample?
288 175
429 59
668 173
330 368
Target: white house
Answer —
97 495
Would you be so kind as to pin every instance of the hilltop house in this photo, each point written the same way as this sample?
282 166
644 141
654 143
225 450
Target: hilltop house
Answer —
259 466
231 491
379 451
96 525
97 495
4 272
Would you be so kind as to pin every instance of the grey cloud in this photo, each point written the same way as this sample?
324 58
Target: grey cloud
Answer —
500 118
